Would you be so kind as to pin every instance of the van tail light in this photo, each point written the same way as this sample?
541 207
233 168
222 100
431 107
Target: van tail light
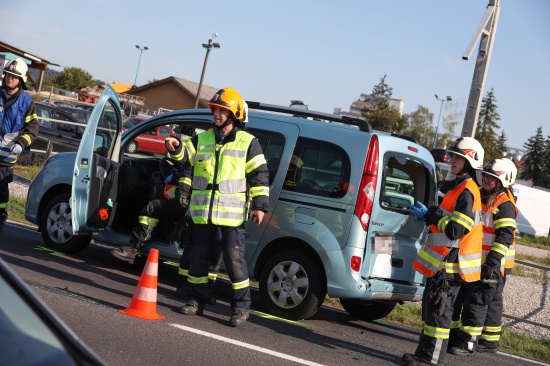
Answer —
355 263
367 190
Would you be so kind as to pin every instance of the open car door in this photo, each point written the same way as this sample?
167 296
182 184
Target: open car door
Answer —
97 164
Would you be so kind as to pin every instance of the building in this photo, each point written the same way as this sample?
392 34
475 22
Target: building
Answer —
172 93
367 101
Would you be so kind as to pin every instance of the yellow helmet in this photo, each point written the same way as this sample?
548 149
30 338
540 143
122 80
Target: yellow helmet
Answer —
230 99
17 67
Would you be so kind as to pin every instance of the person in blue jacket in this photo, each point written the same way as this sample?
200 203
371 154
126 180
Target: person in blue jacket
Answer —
18 126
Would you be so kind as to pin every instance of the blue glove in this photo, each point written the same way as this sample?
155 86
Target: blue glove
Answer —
1 138
168 179
16 149
418 212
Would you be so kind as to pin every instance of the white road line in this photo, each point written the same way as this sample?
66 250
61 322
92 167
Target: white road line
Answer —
246 345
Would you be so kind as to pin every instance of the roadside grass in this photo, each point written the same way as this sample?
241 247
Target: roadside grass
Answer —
541 242
16 209
29 171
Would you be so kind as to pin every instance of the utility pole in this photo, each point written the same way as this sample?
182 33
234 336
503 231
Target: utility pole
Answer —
208 47
486 31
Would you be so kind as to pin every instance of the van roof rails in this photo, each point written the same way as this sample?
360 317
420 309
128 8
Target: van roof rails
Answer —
361 123
405 137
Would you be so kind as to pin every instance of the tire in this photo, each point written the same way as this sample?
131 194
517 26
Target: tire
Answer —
367 310
292 285
56 226
132 147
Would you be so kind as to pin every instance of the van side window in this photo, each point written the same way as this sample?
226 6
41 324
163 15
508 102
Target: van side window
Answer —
404 182
272 145
318 168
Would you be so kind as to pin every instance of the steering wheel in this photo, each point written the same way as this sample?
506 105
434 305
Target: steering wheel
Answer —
165 167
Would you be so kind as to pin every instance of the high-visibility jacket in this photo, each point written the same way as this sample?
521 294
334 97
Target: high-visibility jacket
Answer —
432 255
219 186
489 225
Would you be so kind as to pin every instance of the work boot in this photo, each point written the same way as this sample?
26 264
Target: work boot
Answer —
411 360
128 252
192 308
486 348
239 317
459 351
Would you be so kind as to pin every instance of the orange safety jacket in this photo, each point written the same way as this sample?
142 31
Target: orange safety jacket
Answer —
509 253
431 257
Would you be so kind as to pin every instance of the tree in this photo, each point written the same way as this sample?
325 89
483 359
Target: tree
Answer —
420 126
535 159
72 79
488 122
379 113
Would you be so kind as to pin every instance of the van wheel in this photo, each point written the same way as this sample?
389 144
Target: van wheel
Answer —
367 310
292 285
56 226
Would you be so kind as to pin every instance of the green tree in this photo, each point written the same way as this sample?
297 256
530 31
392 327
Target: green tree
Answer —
486 126
420 127
501 144
379 113
535 158
72 79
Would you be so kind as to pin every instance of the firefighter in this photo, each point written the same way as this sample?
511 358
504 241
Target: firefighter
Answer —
482 309
228 175
18 126
451 254
168 207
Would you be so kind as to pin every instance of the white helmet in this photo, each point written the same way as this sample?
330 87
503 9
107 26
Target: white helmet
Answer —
470 149
502 170
17 67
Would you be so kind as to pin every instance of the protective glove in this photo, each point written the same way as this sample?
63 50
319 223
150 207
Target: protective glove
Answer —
488 273
418 212
16 149
1 138
168 179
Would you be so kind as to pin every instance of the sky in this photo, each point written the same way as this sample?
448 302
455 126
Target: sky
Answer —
323 52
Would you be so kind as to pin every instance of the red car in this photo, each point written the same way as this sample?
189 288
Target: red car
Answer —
151 142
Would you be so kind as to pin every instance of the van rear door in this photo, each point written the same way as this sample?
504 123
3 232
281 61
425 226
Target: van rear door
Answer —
394 237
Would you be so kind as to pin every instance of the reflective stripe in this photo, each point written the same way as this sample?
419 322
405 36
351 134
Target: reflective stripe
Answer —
505 222
149 221
463 220
441 240
197 280
472 331
212 276
499 248
492 328
30 118
183 272
4 205
240 285
490 337
436 332
456 324
259 191
254 163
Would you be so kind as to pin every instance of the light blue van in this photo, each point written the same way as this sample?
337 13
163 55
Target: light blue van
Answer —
337 223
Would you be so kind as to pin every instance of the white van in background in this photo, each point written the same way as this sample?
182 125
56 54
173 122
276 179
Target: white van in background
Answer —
534 210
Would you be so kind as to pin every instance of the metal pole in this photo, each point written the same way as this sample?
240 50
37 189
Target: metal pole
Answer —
439 119
202 74
140 52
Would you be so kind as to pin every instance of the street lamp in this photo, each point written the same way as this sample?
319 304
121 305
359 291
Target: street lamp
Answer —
439 119
145 48
208 47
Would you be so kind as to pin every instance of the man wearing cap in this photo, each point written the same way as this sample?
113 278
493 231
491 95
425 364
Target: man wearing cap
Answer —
18 126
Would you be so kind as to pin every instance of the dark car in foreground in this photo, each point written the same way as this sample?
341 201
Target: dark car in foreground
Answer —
31 333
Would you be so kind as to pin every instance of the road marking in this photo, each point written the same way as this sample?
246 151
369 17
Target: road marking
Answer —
246 345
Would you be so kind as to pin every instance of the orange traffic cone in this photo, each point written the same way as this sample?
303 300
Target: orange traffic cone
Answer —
144 302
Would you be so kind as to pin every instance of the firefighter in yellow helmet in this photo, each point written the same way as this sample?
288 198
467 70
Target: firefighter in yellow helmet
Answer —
451 254
228 179
482 309
18 126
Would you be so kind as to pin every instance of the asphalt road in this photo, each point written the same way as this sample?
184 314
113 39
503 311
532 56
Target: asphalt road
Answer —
87 289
